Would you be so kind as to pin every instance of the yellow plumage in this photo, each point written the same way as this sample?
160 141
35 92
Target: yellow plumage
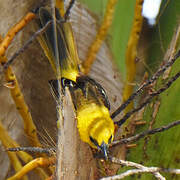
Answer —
68 57
94 121
93 118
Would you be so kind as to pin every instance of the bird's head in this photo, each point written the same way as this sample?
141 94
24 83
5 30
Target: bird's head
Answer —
101 136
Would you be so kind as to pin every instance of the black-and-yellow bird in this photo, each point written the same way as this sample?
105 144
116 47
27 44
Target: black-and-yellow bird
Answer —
89 98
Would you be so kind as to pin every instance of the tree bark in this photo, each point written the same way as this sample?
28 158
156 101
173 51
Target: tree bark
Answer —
33 72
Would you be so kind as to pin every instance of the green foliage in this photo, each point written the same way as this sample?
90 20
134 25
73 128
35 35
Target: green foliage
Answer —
163 149
120 31
121 26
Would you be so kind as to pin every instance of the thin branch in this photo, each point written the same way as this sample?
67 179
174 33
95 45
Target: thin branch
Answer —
49 151
22 49
147 83
68 10
140 166
34 36
133 172
169 170
145 133
139 169
148 99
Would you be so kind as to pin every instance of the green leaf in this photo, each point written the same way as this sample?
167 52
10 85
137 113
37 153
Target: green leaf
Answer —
162 149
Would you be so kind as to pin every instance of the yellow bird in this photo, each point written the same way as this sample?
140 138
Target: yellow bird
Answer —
89 98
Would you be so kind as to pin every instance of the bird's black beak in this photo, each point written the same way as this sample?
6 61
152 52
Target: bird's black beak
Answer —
104 149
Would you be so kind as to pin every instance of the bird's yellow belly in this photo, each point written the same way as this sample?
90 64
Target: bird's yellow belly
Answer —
90 116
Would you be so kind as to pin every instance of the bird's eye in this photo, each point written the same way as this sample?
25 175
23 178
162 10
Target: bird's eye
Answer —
94 141
110 140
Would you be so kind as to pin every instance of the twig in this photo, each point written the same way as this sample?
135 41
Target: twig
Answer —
139 169
68 10
34 36
132 172
145 133
147 83
48 151
148 99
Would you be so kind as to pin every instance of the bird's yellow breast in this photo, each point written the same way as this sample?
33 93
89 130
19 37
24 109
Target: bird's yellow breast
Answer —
94 120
